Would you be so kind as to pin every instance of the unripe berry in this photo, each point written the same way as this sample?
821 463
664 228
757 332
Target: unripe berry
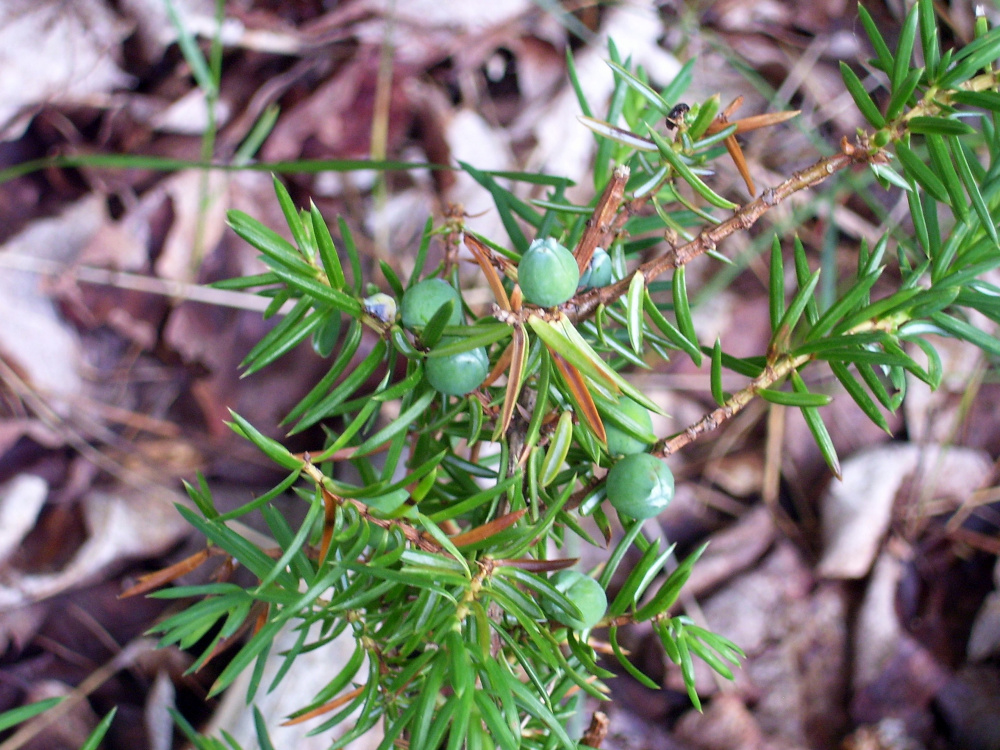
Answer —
640 486
547 273
425 298
457 374
584 592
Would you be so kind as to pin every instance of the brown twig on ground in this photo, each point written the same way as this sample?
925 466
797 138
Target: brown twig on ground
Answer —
597 732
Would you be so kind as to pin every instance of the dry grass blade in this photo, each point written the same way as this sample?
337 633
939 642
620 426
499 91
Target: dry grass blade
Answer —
122 660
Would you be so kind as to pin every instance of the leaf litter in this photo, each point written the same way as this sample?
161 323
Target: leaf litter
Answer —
102 381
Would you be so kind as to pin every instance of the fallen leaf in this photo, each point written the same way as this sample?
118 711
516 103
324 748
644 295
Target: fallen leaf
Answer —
458 17
19 626
794 633
199 222
877 630
969 705
158 722
935 415
726 724
42 348
856 512
21 500
189 115
739 474
124 525
733 550
984 640
64 51
566 149
309 673
73 726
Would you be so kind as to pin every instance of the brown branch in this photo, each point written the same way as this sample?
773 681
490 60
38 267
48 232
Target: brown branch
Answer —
771 375
744 218
668 446
782 365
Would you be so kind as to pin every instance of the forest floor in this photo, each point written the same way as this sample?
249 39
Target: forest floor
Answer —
868 607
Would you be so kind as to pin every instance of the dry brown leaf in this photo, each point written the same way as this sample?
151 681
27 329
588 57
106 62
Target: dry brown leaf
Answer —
21 500
310 672
73 726
189 115
472 139
726 724
199 222
65 51
155 32
733 551
969 706
34 339
488 529
325 708
795 637
457 17
856 512
19 626
935 415
156 579
877 630
156 713
567 149
577 385
484 257
126 525
740 474
984 640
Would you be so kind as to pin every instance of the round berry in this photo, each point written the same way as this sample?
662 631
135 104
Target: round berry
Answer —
425 298
584 592
640 486
620 442
548 274
598 271
457 374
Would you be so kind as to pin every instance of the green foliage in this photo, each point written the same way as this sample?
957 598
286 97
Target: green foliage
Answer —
467 490
15 716
23 714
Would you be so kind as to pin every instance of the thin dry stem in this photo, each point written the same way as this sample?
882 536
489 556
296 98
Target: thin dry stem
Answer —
771 375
